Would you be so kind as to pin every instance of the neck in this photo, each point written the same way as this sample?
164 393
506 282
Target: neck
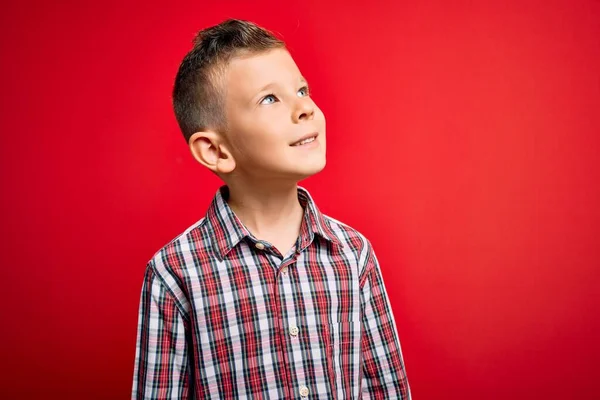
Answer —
266 210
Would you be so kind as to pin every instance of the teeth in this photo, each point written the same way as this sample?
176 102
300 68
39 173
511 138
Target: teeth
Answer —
305 141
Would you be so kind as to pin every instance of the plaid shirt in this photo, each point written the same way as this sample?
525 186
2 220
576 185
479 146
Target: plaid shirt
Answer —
224 315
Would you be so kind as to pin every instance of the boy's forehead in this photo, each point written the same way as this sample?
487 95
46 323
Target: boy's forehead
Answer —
254 71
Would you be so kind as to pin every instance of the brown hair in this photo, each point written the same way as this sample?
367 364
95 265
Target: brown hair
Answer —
198 96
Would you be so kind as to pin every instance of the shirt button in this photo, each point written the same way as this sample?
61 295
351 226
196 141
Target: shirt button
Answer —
259 246
303 391
284 270
294 331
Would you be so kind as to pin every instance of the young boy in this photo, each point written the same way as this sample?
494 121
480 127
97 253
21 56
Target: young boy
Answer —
265 297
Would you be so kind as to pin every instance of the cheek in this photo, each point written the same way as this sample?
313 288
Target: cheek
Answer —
319 115
270 128
252 138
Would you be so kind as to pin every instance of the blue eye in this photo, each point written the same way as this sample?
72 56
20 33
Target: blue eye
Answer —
269 99
303 92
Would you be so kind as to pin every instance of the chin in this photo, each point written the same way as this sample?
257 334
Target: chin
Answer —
310 170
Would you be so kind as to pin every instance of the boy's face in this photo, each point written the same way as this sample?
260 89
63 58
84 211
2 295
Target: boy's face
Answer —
269 110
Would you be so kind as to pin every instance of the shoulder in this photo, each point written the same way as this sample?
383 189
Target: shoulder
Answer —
170 264
358 243
192 237
350 238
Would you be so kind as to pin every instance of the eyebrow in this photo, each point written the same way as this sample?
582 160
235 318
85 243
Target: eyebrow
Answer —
303 80
267 86
272 84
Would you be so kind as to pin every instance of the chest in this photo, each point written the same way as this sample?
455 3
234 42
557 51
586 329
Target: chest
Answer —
260 290
294 320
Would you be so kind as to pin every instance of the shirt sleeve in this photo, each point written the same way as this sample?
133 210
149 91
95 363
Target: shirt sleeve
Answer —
161 362
384 376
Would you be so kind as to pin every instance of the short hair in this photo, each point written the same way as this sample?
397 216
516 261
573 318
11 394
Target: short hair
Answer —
198 95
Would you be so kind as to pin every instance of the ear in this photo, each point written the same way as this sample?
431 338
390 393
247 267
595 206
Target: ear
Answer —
209 149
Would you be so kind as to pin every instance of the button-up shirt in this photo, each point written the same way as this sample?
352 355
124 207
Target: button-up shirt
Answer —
225 315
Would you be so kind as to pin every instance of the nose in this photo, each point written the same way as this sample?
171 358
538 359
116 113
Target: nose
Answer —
305 110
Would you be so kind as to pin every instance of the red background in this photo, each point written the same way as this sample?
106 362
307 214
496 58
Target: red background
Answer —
463 140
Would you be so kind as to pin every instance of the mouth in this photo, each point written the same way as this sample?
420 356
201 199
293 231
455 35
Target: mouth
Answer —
306 139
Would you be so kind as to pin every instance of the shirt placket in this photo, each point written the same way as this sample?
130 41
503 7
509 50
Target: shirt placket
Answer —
288 328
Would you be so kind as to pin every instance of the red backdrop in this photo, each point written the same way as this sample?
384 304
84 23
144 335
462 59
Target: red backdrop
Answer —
463 141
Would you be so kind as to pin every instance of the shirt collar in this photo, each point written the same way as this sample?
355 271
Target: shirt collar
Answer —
228 230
